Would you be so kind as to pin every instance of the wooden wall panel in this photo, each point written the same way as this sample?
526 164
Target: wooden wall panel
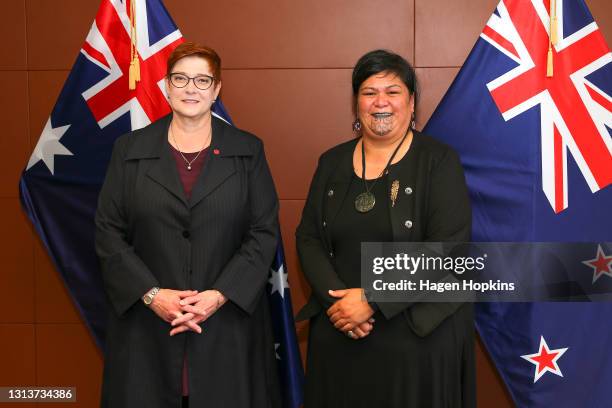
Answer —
18 355
288 33
17 277
68 357
298 113
433 83
56 30
447 30
602 13
14 136
13 31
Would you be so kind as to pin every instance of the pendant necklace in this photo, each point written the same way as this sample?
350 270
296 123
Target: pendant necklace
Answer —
366 200
188 162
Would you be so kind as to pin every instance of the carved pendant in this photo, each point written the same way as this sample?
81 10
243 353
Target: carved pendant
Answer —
365 202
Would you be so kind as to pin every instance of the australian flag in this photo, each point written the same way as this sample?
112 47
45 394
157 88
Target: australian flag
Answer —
60 185
530 114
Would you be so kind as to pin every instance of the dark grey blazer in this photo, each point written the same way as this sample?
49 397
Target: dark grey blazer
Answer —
148 234
432 205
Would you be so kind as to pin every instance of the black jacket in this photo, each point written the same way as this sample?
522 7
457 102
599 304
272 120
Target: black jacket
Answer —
432 205
224 237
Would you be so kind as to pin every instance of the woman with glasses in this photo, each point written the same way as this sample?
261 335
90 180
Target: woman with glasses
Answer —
187 226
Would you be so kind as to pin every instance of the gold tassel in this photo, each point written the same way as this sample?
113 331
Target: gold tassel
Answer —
134 71
137 68
132 76
549 63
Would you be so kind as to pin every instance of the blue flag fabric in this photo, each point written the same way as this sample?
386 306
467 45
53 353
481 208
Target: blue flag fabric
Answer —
532 127
60 185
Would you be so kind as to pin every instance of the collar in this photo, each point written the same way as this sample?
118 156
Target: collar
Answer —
150 141
343 171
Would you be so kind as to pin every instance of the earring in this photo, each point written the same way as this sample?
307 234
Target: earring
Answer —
356 126
412 122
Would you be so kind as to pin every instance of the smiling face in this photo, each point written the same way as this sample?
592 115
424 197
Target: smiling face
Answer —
191 102
384 106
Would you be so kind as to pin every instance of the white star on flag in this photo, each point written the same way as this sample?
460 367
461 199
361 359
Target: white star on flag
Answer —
601 264
278 280
49 145
545 360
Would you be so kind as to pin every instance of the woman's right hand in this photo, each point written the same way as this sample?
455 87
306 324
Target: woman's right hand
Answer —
166 305
364 329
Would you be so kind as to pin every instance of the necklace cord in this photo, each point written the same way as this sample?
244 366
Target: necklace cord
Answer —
363 162
189 163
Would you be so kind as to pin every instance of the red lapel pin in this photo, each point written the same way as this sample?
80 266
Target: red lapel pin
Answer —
216 151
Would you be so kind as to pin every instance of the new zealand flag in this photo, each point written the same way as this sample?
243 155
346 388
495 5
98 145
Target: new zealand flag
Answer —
530 115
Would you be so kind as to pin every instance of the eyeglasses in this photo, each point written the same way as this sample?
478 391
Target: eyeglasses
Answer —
202 82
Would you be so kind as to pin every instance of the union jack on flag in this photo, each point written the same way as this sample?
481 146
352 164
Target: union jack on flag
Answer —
537 154
108 46
60 185
574 111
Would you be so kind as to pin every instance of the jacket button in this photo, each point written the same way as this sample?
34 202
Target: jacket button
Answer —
330 193
331 254
408 224
185 234
408 190
324 224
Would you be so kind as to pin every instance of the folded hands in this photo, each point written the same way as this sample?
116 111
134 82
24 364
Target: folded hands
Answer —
351 313
186 310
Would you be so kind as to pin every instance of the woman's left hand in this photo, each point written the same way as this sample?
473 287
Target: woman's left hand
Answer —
197 309
350 311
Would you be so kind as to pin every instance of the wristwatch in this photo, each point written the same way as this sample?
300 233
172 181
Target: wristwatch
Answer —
147 299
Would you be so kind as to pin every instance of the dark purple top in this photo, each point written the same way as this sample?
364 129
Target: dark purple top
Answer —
189 177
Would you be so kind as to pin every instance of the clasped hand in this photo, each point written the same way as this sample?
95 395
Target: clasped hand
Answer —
351 313
186 309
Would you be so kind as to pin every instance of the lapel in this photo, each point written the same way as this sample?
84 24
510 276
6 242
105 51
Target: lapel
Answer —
338 186
221 161
405 172
151 143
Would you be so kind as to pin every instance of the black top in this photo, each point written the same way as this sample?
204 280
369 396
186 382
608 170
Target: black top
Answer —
418 355
432 205
350 228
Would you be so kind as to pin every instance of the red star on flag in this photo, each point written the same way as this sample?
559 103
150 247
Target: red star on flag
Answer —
545 360
601 264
